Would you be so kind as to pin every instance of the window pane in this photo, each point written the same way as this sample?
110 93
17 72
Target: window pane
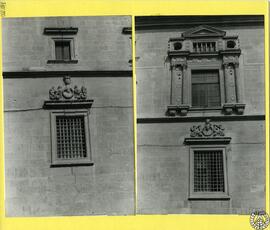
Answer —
208 171
71 142
66 51
62 50
199 95
205 88
58 51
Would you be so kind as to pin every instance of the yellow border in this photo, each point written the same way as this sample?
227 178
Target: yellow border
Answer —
34 8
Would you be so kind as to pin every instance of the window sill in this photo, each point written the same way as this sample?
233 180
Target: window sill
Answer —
209 196
72 164
204 108
62 61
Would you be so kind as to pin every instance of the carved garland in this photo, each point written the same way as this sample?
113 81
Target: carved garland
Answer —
67 92
208 130
207 134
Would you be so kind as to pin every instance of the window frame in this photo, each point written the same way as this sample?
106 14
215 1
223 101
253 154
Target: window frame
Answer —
73 55
55 162
184 59
202 67
62 49
207 195
219 86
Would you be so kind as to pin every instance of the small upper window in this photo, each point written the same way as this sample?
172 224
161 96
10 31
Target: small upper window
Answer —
205 88
62 50
63 45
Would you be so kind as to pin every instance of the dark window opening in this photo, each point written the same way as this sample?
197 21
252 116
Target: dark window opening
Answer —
71 137
205 88
209 171
62 50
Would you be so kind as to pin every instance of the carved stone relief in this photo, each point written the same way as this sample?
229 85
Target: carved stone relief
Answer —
67 92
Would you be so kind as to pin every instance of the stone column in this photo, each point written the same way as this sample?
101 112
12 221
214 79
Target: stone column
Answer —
230 91
238 84
177 85
239 106
178 89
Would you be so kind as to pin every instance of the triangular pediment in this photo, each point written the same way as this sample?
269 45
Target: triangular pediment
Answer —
203 31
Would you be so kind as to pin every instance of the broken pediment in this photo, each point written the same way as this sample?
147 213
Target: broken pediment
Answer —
203 31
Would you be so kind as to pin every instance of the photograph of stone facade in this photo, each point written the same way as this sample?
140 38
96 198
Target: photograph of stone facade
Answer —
200 114
68 116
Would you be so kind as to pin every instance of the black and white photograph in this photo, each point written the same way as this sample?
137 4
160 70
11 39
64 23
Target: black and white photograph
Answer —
200 114
68 116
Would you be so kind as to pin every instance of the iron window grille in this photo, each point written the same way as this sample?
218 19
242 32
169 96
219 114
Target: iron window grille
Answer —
208 174
70 138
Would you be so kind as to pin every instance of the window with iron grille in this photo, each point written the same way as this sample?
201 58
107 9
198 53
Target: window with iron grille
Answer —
208 173
205 88
70 138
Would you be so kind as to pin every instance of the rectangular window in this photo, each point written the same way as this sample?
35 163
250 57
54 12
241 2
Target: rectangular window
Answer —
71 142
208 171
62 50
208 175
205 88
70 138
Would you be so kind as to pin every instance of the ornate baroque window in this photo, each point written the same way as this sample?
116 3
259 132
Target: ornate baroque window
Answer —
204 66
62 42
208 164
70 135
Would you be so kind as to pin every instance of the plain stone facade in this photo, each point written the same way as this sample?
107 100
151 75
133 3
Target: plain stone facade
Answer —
163 158
32 187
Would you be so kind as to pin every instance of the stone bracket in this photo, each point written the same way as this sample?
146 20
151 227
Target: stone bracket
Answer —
238 108
180 110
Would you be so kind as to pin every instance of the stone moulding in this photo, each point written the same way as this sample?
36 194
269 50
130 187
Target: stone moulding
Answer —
70 104
207 141
63 30
207 134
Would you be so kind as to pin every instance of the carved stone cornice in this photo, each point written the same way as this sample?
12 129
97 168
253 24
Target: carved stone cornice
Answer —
230 52
63 30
